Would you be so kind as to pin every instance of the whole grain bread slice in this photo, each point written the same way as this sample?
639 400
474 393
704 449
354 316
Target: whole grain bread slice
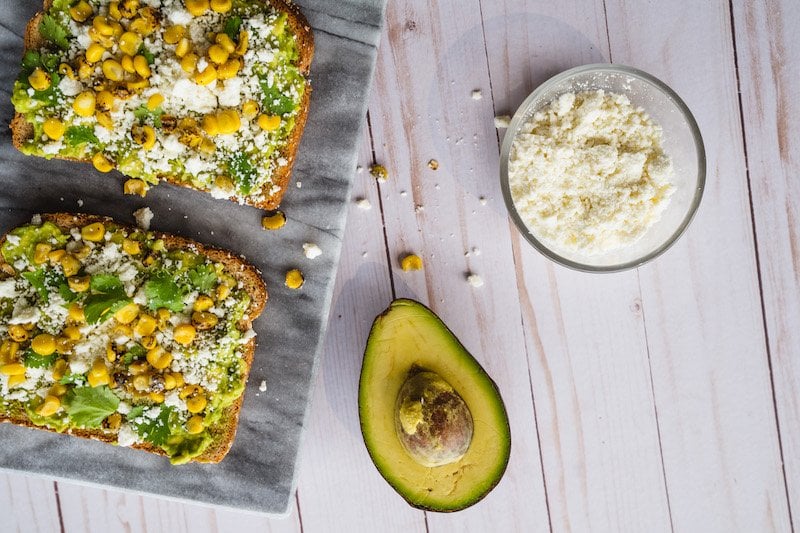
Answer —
223 433
22 130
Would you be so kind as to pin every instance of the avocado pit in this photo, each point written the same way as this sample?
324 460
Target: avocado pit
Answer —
432 421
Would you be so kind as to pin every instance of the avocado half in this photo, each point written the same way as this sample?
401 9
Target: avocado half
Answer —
406 339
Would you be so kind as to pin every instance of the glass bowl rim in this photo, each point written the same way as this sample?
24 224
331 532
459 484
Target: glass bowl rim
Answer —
524 111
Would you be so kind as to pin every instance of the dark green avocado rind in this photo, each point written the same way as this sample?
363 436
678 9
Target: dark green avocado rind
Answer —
470 365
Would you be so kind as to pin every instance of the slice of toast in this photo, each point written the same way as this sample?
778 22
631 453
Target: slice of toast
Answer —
250 165
239 277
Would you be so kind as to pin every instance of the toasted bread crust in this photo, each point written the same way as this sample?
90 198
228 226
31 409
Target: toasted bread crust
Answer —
22 131
242 271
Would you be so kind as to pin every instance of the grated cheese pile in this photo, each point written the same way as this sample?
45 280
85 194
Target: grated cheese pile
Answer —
588 173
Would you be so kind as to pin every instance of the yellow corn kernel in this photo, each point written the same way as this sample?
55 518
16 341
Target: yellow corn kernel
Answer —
196 404
269 122
82 251
141 382
78 283
224 183
221 6
40 253
65 70
58 389
203 303
113 70
118 29
53 128
95 53
127 314
84 69
50 406
75 313
128 8
121 333
274 221
135 186
131 247
101 162
81 11
114 421
244 40
174 34
170 382
141 66
194 425
217 54
229 69
63 345
222 292
39 79
250 109
137 84
138 367
148 137
113 11
190 390
44 344
104 101
229 121
208 75
17 333
98 380
142 26
207 146
98 37
104 119
84 104
56 255
185 334
70 265
13 381
294 279
155 101
145 326
100 23
94 232
179 382
59 369
159 358
72 333
111 355
183 47
98 368
197 7
411 262
203 320
210 124
225 42
129 43
156 397
189 63
127 64
163 314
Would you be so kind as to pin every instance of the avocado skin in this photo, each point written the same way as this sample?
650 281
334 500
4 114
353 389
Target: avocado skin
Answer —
405 363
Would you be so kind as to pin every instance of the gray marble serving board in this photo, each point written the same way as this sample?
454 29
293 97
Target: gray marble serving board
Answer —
259 473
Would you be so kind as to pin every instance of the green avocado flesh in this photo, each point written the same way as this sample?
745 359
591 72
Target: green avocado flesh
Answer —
408 341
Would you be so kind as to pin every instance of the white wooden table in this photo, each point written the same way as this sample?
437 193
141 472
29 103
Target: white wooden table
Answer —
665 398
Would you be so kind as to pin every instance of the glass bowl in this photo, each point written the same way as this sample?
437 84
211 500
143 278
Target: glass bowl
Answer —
681 141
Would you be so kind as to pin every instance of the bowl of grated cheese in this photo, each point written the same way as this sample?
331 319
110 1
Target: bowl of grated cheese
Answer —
602 168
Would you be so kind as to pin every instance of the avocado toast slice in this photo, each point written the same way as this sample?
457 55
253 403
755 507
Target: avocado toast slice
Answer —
211 95
130 337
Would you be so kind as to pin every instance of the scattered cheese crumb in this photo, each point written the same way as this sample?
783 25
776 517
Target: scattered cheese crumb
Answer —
263 386
80 202
363 203
502 122
475 280
143 217
311 250
477 94
482 200
359 169
299 184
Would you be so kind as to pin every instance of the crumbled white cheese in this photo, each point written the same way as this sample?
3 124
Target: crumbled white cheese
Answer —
311 250
475 280
502 122
8 288
143 217
69 86
263 386
363 203
477 94
127 436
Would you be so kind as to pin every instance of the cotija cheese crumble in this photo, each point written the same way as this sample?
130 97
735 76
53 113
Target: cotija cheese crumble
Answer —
588 173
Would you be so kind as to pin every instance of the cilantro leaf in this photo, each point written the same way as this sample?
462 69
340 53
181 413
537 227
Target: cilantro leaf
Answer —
142 113
242 172
162 291
107 297
274 101
203 277
73 379
46 281
148 55
35 360
53 31
36 279
155 430
76 135
31 60
232 26
135 352
89 406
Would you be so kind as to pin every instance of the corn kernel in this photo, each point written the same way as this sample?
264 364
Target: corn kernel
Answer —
274 221
95 53
63 345
148 138
114 421
137 84
196 404
411 262
39 79
17 333
184 334
194 425
221 6
269 122
141 382
98 380
72 333
70 265
84 104
210 124
104 101
207 146
141 66
170 382
50 406
113 70
229 121
94 232
156 397
111 355
222 291
203 320
40 253
173 34
155 101
225 42
118 29
78 283
189 63
66 70
127 314
113 11
43 344
294 279
104 119
138 367
224 183
135 186
75 312
229 69
197 7
127 64
101 162
142 26
203 303
81 11
190 390
244 40
131 247
179 382
208 75
183 47
59 369
100 23
145 326
249 109
127 8
13 381
217 54
129 43
98 368
159 358
56 255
